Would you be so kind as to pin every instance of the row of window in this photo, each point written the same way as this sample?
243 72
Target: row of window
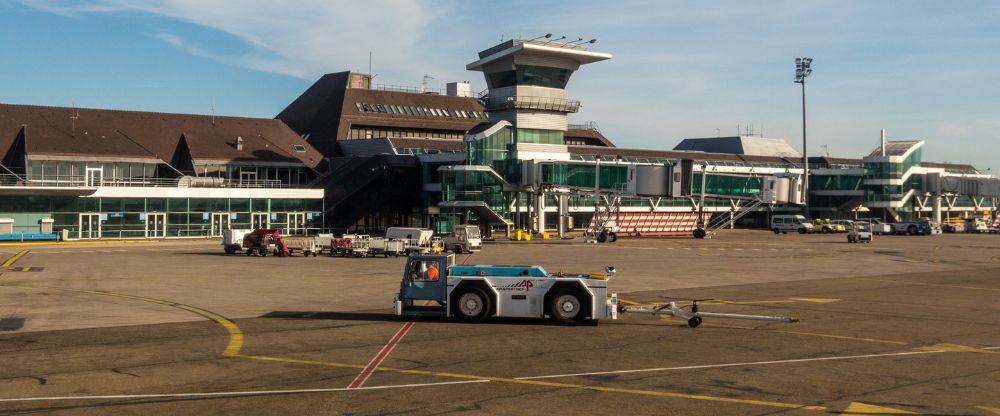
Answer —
380 132
288 176
409 110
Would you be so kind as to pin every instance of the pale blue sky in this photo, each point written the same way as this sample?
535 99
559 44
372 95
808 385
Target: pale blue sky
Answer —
919 69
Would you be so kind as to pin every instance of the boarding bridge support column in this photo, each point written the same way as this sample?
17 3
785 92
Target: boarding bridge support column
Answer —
937 208
540 211
563 214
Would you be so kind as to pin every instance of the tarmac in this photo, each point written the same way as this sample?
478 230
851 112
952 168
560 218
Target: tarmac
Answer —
905 324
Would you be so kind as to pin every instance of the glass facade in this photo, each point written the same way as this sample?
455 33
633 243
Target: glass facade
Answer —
885 170
540 136
746 186
69 173
540 76
835 182
497 152
184 217
580 175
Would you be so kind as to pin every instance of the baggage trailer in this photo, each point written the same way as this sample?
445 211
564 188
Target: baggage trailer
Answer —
432 285
385 247
307 245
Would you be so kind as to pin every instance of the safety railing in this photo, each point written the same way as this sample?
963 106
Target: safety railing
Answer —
530 103
93 182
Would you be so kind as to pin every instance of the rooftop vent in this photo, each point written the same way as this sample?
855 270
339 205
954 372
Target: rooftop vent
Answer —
239 143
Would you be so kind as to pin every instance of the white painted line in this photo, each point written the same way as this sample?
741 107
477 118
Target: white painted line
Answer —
755 249
694 367
235 393
670 248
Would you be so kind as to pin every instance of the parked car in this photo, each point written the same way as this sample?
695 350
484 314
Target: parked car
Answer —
785 223
847 224
827 226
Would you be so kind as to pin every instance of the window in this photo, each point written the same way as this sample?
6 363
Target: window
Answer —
530 75
299 148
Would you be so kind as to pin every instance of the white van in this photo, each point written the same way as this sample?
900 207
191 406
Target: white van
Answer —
785 223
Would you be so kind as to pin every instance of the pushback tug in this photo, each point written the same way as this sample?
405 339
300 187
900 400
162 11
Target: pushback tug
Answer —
433 285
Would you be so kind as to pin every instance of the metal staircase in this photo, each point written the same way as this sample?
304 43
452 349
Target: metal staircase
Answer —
719 222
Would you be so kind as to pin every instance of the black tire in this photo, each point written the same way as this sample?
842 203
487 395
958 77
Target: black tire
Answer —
849 239
230 250
567 306
612 237
249 252
784 232
698 233
776 231
802 230
315 254
457 250
262 252
911 230
602 237
694 322
826 230
472 305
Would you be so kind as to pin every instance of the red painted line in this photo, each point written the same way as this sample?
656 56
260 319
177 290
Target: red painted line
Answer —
384 352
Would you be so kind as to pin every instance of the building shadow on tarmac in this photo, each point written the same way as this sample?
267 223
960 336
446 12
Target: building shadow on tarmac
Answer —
388 317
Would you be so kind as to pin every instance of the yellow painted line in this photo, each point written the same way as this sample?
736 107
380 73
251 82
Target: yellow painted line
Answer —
811 334
850 338
655 393
995 259
73 243
954 348
994 410
235 335
15 258
992 289
863 409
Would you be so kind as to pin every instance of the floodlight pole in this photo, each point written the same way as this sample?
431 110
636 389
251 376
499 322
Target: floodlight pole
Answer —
805 156
802 71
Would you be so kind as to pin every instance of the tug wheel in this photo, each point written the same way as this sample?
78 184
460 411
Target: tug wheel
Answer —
567 306
472 305
694 322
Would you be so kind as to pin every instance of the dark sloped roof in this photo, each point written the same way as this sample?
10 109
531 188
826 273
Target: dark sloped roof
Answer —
663 154
327 109
955 166
592 135
132 134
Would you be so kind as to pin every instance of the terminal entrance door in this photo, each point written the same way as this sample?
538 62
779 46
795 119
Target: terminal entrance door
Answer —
156 225
296 223
90 226
259 220
220 223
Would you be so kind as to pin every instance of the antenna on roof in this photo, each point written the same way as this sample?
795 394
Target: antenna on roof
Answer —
423 84
554 40
73 115
213 111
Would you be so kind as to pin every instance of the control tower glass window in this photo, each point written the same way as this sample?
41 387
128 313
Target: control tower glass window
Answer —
540 76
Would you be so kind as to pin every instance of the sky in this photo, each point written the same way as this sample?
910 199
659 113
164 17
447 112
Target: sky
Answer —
919 69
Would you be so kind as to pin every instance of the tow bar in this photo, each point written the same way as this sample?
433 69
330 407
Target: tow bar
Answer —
694 317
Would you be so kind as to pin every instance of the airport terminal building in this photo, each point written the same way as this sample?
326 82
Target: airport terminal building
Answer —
349 155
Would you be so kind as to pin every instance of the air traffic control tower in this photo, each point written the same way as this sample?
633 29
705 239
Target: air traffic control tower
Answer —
527 106
527 83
